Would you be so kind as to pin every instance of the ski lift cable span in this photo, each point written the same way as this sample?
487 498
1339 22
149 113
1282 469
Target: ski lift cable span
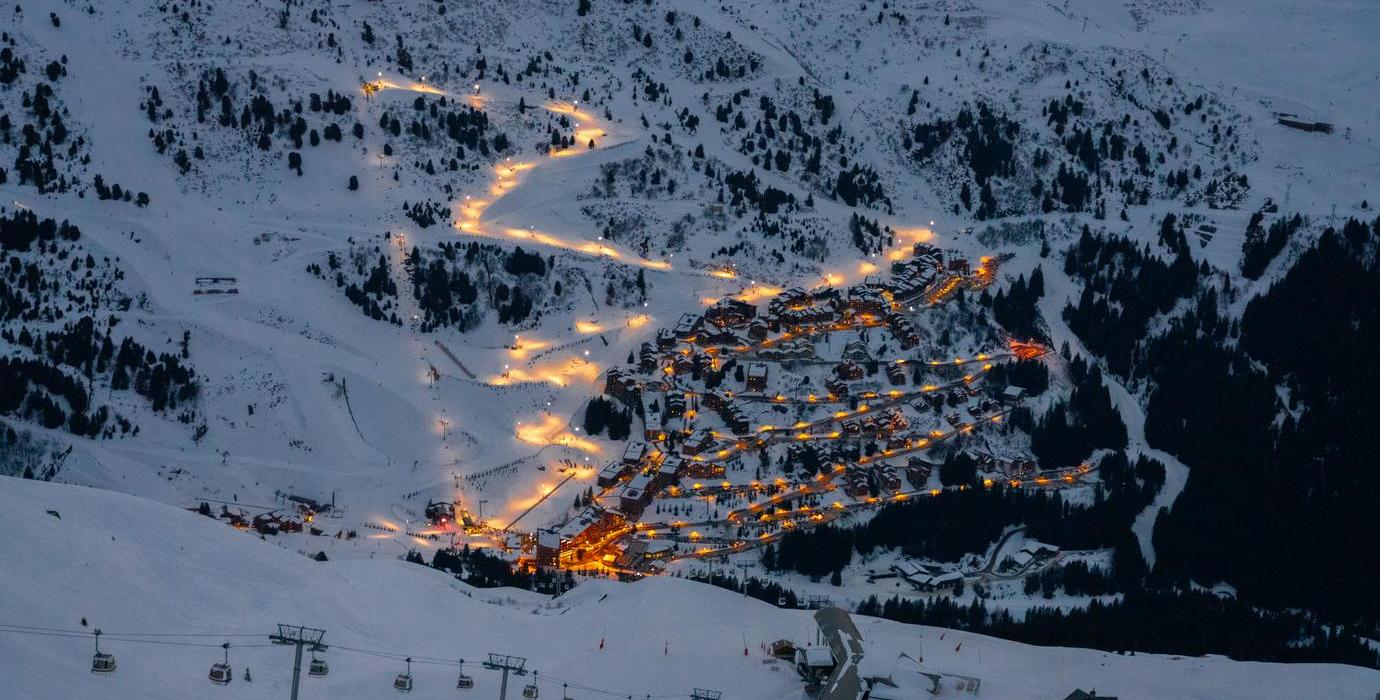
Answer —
161 639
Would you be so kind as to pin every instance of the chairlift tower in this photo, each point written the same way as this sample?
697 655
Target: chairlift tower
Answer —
505 663
298 636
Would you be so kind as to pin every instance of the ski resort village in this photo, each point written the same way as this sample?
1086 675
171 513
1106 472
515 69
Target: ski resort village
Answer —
773 349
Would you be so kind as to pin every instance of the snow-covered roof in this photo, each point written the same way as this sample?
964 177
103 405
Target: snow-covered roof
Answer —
814 656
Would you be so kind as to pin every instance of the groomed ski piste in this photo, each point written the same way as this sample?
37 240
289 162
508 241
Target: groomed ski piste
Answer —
168 588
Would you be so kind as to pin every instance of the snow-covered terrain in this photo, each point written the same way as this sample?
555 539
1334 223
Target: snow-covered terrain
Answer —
281 162
159 582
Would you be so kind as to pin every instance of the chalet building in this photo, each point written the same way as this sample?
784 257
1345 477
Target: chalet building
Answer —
697 443
794 319
926 251
653 425
1012 395
647 357
794 349
590 530
634 452
888 477
895 420
905 332
757 331
702 361
714 336
864 299
959 266
896 374
836 387
636 495
682 364
730 313
704 470
855 484
918 472
622 386
612 473
641 555
675 405
849 370
757 377
687 326
665 339
1294 122
548 549
857 351
440 513
674 468
736 420
714 401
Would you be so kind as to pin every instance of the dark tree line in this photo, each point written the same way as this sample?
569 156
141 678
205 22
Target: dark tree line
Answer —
764 590
601 413
1071 430
1280 495
1031 375
1150 621
956 522
1124 286
1261 245
1015 308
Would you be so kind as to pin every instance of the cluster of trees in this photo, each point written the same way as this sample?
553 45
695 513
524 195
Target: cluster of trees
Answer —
424 214
464 126
378 294
117 193
447 283
1031 375
37 390
1075 578
782 139
767 591
442 291
1070 430
54 384
959 521
41 142
1261 246
257 118
1153 621
43 390
817 552
860 184
1124 286
1277 479
988 150
601 413
483 570
22 228
1015 308
743 188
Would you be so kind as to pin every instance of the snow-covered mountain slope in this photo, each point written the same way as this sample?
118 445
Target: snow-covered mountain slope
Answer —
258 184
153 573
